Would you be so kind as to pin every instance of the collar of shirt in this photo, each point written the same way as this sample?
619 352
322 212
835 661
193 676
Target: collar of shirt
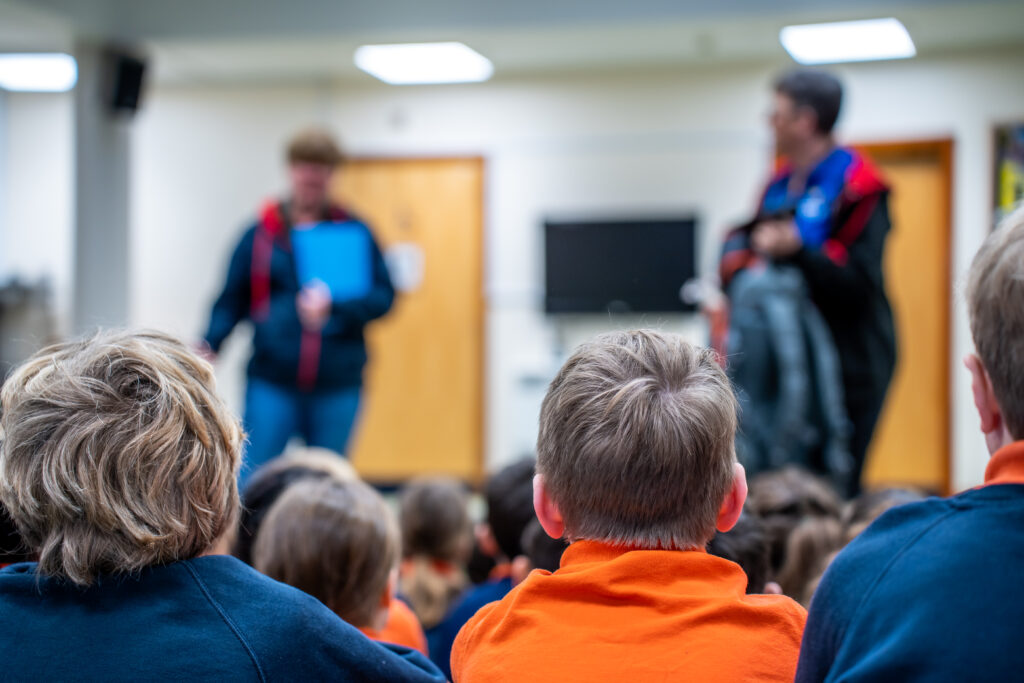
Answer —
1007 465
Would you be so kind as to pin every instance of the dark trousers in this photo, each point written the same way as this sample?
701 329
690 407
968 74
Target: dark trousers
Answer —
863 412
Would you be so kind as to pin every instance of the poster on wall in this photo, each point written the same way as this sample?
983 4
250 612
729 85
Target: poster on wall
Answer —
1009 171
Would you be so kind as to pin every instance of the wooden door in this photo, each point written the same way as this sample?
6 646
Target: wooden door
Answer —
423 395
912 441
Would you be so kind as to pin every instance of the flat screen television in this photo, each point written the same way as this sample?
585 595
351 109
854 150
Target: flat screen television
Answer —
618 266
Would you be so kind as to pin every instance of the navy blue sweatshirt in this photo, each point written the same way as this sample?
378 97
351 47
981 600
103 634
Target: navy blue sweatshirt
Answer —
339 351
929 592
209 618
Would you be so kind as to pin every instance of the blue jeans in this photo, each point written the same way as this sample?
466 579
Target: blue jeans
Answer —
273 414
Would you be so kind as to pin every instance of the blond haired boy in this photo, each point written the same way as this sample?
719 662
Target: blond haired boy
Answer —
636 468
931 590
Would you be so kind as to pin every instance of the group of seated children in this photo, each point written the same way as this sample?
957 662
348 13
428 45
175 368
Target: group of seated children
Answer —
628 550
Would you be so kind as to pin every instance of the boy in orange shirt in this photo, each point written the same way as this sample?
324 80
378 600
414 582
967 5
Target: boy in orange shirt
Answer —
636 468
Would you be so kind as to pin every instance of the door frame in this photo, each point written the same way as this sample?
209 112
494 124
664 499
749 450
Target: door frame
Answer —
943 148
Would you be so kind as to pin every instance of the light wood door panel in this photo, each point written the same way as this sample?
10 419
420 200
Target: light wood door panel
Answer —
911 443
423 398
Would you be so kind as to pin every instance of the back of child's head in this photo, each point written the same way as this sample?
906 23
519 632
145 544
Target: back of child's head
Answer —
746 544
636 443
435 520
335 540
267 484
783 499
995 292
436 540
869 506
509 495
810 546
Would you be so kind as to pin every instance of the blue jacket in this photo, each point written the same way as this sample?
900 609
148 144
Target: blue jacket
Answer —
209 618
261 286
930 592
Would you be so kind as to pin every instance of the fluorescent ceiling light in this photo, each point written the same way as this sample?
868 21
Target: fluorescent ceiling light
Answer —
38 72
848 41
412 63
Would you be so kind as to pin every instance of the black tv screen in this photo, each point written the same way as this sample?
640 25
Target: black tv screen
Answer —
618 265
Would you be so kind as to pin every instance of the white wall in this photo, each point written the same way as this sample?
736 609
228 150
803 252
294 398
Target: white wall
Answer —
36 197
682 140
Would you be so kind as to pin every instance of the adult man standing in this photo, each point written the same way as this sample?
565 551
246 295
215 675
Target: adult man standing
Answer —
305 373
931 591
826 212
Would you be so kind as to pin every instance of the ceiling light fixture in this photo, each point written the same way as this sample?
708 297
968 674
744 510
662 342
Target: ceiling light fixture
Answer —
848 41
421 63
38 72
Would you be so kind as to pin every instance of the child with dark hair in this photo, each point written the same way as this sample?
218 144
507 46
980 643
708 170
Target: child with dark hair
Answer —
801 517
436 537
540 551
271 481
509 495
266 485
746 544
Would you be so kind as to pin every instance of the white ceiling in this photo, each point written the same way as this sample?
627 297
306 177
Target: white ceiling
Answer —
264 40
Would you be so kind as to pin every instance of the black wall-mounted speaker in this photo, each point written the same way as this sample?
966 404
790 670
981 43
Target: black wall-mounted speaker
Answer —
126 77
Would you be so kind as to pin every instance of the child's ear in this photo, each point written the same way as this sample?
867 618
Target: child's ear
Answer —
732 506
548 514
985 402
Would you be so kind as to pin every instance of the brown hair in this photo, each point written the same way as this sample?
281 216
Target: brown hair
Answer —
334 540
268 482
783 499
314 146
436 540
636 441
746 544
117 454
995 301
435 519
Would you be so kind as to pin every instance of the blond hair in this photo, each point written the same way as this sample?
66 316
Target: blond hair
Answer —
314 146
636 441
436 542
117 454
995 301
335 540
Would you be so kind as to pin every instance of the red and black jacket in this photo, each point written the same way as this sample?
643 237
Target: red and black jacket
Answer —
261 286
844 275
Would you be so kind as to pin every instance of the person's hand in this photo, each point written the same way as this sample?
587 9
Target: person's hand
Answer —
314 305
776 239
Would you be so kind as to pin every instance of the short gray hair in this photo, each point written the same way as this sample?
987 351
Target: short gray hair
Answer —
995 302
636 441
117 454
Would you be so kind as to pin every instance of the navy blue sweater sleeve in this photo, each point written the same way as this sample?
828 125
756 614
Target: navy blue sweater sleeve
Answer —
232 305
843 596
354 314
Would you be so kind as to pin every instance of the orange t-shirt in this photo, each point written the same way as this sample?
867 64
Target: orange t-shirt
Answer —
615 614
402 628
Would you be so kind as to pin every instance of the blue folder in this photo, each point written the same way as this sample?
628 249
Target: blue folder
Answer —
337 254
